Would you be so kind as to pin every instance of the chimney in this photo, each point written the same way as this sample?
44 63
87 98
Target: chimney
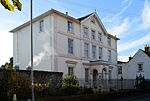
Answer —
66 13
147 48
130 58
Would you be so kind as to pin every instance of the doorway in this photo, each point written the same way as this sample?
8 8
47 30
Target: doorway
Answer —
95 77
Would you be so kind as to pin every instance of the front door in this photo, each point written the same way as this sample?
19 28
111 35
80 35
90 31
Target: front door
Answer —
95 75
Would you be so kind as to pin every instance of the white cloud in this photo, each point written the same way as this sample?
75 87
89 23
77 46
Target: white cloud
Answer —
117 25
117 17
121 28
129 45
123 58
146 15
122 10
126 58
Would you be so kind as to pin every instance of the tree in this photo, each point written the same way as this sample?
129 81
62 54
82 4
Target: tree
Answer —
8 65
9 6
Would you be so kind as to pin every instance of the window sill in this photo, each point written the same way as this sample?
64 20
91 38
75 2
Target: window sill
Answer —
108 45
100 58
109 61
86 37
100 42
70 32
94 41
140 71
94 58
41 31
71 55
86 57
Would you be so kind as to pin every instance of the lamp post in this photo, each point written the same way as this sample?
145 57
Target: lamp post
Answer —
31 29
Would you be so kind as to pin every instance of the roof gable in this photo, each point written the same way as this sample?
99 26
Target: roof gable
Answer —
140 51
94 14
84 17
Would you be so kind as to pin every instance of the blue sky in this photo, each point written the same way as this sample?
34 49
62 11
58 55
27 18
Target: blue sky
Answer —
128 19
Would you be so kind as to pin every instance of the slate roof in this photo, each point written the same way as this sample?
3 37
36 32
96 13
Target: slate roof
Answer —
148 53
84 17
119 62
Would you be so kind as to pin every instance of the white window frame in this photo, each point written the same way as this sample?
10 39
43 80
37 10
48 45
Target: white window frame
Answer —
69 26
93 55
109 55
92 35
140 67
99 39
42 26
100 55
119 69
70 47
108 41
86 50
85 35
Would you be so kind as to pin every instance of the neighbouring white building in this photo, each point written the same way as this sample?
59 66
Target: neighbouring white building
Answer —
65 44
137 66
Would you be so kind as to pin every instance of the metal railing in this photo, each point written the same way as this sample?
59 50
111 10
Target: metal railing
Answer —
113 84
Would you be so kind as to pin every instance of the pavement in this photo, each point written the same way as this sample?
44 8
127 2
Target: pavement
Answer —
137 97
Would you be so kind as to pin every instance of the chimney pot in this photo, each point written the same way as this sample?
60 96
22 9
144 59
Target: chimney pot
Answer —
66 13
147 48
130 58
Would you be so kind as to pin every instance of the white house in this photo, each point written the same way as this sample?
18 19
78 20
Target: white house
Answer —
137 66
65 44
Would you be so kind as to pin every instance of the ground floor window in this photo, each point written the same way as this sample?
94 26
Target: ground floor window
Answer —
70 70
86 74
119 69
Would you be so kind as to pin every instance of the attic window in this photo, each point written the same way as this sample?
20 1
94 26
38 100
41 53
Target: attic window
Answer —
41 25
140 67
93 21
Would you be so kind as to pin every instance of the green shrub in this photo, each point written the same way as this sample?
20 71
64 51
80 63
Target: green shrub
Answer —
14 83
42 90
86 90
18 85
70 85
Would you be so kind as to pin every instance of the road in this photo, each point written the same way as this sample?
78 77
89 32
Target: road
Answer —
138 97
142 99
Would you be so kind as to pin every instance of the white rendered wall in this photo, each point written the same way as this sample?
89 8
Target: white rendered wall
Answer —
41 46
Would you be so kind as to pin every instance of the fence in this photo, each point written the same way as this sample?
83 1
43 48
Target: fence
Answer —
107 85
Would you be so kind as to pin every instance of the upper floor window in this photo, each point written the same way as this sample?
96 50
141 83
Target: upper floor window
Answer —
93 21
140 67
69 26
86 46
70 46
119 69
93 35
100 52
93 51
85 32
86 74
109 55
42 26
70 70
99 37
108 41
